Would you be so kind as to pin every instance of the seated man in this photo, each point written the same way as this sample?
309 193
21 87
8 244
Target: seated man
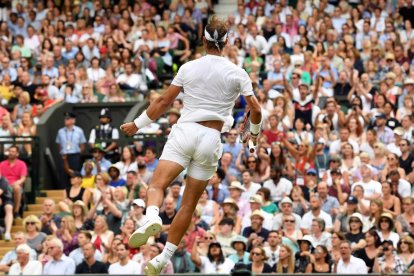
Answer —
24 264
11 256
77 255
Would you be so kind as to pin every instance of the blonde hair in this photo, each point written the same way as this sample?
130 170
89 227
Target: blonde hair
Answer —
71 223
291 263
32 218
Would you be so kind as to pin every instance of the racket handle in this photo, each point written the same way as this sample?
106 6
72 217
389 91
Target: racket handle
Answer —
252 147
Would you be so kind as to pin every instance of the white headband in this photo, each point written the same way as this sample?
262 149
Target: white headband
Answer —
215 39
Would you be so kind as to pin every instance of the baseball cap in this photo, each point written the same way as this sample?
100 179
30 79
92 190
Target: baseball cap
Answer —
311 171
139 202
352 200
68 115
381 116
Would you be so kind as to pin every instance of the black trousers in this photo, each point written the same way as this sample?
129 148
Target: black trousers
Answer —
75 163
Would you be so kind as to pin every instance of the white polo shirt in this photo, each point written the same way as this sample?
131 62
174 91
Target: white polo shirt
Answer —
208 267
31 268
212 100
355 266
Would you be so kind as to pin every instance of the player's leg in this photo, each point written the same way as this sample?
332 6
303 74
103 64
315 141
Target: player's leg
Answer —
164 174
193 190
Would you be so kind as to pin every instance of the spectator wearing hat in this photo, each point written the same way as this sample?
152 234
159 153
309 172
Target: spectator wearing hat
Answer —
104 134
355 233
115 175
303 256
286 207
387 261
229 210
216 190
348 264
385 227
74 193
239 244
236 190
137 212
408 91
341 223
24 265
71 142
372 188
256 233
256 202
278 185
315 212
173 115
98 158
215 262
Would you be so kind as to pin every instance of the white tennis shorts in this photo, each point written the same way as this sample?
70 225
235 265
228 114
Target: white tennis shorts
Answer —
195 147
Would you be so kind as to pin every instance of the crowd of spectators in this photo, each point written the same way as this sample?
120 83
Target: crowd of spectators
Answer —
329 190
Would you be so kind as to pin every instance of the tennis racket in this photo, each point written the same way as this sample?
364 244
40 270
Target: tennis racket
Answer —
244 135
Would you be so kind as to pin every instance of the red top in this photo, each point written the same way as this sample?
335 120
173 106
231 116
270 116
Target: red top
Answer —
272 136
13 172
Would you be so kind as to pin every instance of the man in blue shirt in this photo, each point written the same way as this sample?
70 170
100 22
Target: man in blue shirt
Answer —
71 142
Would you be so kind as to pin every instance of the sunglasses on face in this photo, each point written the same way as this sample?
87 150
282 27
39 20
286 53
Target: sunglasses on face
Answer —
30 223
288 220
251 161
256 254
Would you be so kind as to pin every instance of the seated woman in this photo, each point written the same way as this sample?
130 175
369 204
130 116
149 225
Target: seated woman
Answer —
355 234
258 263
34 237
320 262
74 193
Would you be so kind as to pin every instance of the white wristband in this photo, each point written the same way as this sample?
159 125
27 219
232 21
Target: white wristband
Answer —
143 120
255 128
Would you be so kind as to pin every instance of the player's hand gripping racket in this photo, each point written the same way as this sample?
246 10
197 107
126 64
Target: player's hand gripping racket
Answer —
245 133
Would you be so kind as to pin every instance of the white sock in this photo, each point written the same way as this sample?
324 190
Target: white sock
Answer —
152 211
167 253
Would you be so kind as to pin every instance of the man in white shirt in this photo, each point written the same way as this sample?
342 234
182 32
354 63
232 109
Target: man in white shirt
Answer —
336 145
315 212
124 266
372 188
286 207
250 187
257 41
256 202
348 264
130 80
25 266
60 264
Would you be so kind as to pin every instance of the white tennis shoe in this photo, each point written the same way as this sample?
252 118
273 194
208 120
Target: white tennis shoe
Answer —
150 228
153 267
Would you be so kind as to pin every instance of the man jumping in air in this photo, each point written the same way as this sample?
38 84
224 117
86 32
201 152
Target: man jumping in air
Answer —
211 85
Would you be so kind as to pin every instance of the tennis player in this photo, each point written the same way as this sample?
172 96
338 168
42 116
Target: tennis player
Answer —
211 85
